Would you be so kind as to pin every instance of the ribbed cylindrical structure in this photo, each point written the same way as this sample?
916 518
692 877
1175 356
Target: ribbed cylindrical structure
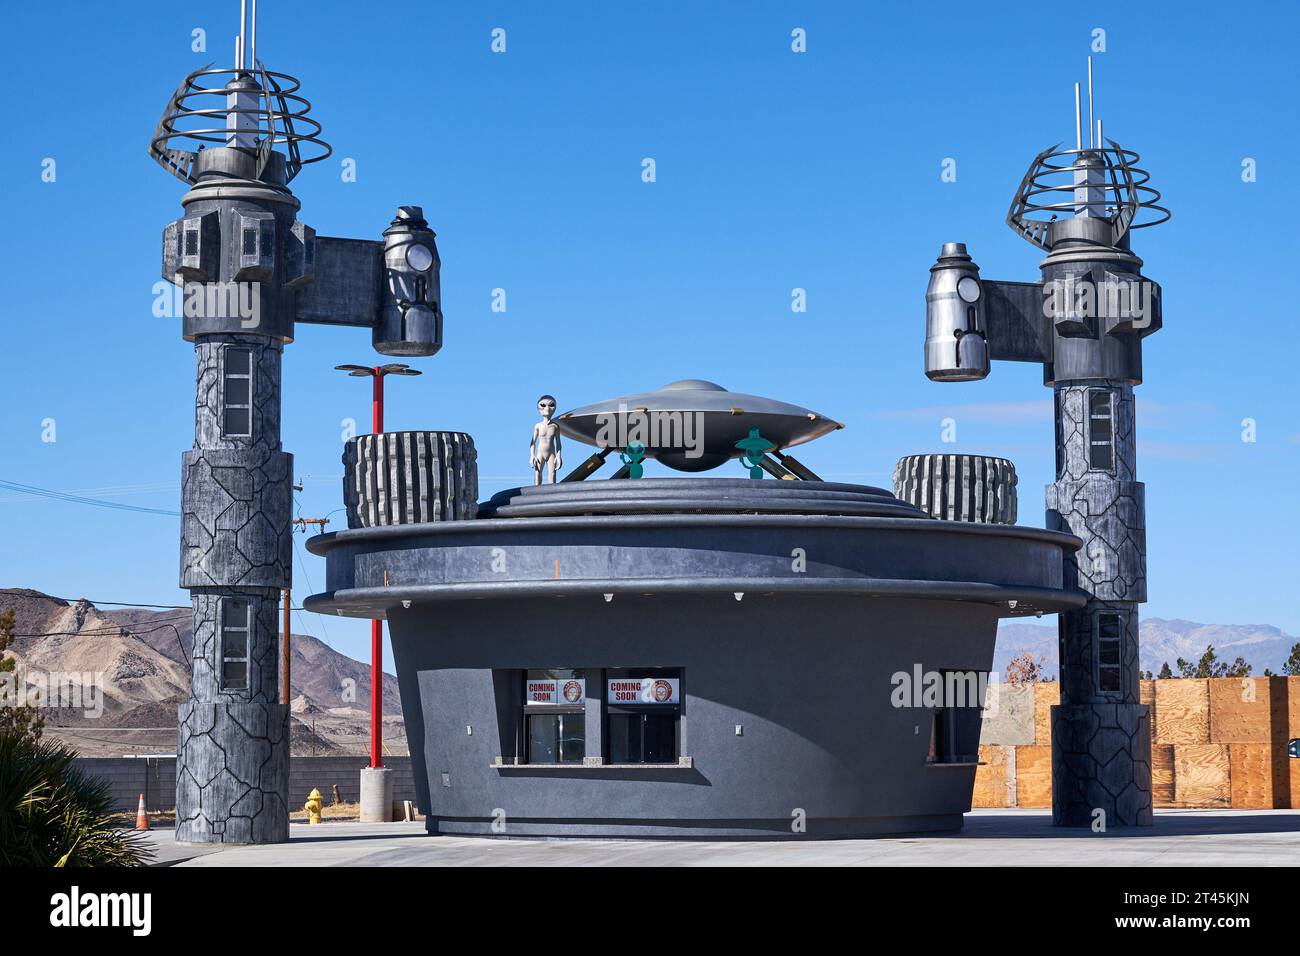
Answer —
959 487
410 478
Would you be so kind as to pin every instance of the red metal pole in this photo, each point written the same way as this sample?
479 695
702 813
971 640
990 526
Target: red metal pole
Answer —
376 626
376 692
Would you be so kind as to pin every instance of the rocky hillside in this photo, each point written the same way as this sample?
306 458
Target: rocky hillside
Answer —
144 657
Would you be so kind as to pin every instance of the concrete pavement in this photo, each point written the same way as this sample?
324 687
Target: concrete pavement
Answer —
990 838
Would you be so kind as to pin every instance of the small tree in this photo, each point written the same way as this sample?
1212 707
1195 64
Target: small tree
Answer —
1292 666
1210 666
1238 668
20 721
1165 672
1024 669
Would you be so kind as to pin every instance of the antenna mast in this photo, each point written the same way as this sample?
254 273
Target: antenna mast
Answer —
1078 128
1091 124
239 37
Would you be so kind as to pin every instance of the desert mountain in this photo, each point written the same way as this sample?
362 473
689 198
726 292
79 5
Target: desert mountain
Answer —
144 657
1160 640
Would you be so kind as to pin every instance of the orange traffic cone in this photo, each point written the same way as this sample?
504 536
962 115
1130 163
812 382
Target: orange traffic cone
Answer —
142 816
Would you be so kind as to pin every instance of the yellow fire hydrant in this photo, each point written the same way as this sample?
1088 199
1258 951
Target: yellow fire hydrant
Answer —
313 806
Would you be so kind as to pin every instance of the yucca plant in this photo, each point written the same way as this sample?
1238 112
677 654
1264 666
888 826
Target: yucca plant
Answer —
52 814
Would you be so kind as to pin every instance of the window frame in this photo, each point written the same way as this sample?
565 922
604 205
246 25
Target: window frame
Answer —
676 711
1109 418
250 610
226 377
532 709
1118 639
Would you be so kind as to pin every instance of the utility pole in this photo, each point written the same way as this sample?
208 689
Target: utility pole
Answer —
376 374
301 525
284 649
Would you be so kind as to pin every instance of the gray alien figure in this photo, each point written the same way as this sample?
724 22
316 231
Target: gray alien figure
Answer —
544 449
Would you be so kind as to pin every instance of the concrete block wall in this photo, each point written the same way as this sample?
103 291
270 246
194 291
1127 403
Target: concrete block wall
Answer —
1220 742
155 777
128 777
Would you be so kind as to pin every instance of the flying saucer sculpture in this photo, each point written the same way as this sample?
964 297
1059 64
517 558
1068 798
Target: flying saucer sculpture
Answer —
692 425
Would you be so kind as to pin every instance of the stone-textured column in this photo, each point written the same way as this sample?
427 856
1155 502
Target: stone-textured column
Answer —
236 553
1101 755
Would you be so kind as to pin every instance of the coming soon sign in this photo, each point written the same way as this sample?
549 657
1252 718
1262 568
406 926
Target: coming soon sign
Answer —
567 690
643 690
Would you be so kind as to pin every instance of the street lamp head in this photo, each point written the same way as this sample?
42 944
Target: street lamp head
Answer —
357 370
397 368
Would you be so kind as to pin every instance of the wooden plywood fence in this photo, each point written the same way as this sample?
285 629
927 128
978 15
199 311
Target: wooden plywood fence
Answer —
1220 742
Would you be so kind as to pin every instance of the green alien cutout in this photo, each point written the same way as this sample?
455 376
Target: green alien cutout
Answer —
754 448
633 457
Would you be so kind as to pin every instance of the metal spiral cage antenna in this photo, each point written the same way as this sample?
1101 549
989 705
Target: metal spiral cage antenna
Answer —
252 108
1056 177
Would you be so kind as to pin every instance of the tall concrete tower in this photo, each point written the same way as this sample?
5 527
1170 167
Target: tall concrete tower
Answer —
1084 322
247 269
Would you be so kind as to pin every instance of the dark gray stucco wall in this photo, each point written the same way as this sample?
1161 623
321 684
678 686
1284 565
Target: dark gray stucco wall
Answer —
806 676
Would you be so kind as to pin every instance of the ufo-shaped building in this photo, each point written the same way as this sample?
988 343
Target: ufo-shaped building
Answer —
691 656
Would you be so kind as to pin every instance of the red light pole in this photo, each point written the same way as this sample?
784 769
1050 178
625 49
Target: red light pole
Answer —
376 373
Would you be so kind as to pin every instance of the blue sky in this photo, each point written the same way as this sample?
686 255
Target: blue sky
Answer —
775 170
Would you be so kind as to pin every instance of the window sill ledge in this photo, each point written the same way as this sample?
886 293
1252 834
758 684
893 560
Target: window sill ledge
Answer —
958 763
683 763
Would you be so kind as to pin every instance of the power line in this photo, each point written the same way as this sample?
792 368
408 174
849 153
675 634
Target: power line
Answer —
307 577
68 600
118 490
128 604
166 607
147 627
114 631
72 729
81 500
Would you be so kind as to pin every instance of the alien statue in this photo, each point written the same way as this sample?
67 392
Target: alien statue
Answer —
633 457
754 448
544 449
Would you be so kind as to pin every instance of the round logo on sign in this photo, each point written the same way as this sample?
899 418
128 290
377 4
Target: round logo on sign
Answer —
572 691
663 691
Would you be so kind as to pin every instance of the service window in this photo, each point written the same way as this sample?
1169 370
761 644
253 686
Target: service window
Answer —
555 703
955 724
643 715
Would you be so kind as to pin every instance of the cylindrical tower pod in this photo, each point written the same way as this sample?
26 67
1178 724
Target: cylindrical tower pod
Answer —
956 345
238 251
410 315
